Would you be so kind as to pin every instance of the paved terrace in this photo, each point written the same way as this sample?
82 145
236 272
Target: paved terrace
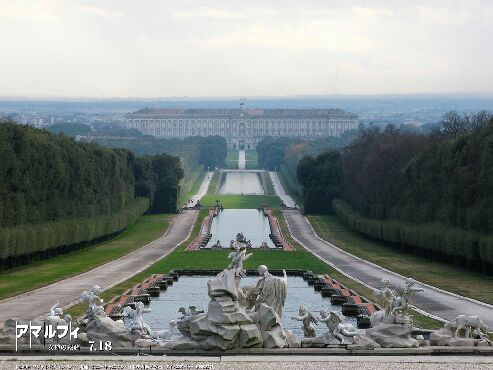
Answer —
241 160
38 302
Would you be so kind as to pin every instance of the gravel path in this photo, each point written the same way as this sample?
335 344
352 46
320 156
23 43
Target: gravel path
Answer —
261 363
202 190
241 160
38 302
286 199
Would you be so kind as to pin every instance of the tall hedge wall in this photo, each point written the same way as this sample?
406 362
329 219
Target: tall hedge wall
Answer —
46 177
57 195
438 241
24 243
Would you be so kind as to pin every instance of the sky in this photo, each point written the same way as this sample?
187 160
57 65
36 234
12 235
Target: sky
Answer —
203 48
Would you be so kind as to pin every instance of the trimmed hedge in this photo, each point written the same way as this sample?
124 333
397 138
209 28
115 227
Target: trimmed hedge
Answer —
440 242
21 244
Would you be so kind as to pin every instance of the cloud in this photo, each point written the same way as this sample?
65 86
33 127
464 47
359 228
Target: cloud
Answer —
221 14
197 47
372 12
316 35
443 15
98 11
25 12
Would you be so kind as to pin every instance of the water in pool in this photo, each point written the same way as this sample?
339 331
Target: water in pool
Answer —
192 290
251 222
241 182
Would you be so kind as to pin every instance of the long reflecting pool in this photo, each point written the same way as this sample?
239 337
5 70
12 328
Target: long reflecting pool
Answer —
251 222
192 290
241 182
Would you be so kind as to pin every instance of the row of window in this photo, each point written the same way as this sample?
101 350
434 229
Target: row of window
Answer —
254 133
142 124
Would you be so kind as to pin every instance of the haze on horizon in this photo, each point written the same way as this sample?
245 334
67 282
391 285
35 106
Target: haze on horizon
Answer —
196 48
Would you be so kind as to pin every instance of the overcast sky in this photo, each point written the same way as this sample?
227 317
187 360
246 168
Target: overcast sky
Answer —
163 48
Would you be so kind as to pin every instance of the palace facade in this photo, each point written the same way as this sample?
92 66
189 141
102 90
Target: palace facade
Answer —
243 128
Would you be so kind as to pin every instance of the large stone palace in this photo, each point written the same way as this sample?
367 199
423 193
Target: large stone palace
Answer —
243 128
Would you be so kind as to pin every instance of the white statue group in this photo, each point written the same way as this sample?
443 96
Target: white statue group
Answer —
337 331
251 316
394 327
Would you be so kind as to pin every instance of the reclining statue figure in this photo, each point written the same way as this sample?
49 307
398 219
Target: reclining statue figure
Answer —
336 328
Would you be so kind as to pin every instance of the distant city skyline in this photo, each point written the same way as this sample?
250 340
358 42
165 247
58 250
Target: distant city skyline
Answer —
208 49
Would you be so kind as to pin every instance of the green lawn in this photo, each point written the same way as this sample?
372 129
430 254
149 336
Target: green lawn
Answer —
37 274
214 183
445 276
268 186
251 159
232 159
241 201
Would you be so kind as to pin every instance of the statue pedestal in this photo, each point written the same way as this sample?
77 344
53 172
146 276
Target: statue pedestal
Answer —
446 337
393 335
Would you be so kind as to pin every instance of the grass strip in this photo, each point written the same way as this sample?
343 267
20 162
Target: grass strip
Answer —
241 201
251 159
445 276
268 183
214 183
232 159
40 273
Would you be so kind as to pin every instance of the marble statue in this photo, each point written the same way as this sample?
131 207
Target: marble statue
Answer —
240 238
228 323
250 293
307 318
393 327
194 311
55 312
238 257
336 328
468 326
165 334
402 298
184 313
463 331
384 295
134 318
94 308
400 302
271 290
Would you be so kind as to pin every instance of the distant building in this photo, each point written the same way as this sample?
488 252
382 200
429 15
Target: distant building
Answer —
243 128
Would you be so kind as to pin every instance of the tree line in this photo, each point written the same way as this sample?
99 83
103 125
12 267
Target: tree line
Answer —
212 150
56 194
428 192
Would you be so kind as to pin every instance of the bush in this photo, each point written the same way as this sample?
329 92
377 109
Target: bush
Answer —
20 244
432 239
